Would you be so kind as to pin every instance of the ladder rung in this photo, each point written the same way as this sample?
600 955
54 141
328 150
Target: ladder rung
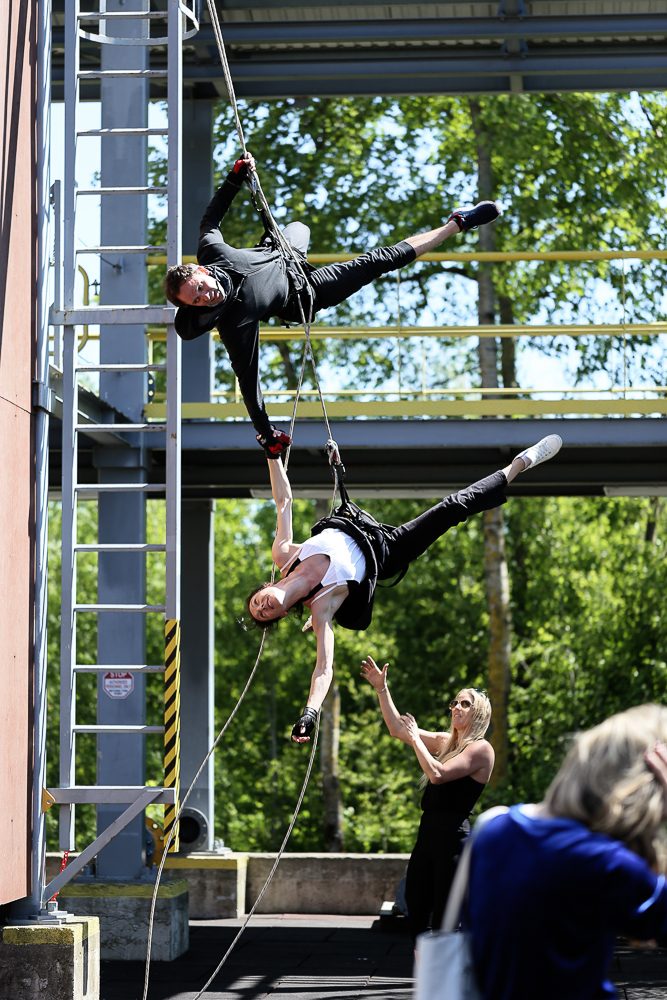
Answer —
146 608
102 730
121 190
121 547
114 315
131 249
108 794
100 74
102 668
126 428
120 488
96 15
121 368
102 132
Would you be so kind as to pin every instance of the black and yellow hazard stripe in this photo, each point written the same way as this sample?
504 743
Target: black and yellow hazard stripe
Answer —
172 722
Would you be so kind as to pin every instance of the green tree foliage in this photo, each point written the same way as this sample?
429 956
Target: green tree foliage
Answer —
590 634
574 172
590 639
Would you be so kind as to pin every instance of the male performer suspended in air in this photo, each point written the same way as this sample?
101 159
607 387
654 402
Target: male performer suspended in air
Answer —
334 573
235 289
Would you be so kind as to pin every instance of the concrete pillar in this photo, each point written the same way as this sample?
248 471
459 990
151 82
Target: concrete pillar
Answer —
60 961
123 909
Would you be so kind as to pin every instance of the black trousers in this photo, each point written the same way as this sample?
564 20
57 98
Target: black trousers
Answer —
431 870
327 286
332 284
410 540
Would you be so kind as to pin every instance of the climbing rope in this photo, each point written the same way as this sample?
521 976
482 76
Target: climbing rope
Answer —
289 253
287 250
273 869
174 827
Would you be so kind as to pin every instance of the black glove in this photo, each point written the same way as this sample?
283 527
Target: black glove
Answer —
304 726
275 443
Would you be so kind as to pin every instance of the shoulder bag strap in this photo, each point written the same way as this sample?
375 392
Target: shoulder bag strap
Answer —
452 915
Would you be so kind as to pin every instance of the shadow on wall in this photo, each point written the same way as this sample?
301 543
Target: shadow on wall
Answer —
11 113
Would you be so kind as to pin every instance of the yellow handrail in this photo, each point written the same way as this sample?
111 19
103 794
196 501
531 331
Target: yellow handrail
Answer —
493 256
275 334
428 408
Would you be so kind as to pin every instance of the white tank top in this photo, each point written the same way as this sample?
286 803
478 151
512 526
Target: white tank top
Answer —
346 560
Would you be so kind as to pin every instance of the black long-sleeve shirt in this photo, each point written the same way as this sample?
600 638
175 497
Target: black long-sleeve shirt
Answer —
260 285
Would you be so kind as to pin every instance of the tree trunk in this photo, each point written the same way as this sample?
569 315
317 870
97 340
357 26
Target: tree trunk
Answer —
496 574
291 374
329 744
496 577
507 346
652 521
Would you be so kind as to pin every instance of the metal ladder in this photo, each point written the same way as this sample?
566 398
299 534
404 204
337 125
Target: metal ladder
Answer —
66 314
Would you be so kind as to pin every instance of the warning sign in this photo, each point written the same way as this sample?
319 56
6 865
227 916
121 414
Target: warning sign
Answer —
118 684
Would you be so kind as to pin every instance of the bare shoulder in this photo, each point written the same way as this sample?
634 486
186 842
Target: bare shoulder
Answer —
283 554
482 750
482 757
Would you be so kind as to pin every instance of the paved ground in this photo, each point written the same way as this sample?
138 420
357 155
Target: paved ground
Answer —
286 957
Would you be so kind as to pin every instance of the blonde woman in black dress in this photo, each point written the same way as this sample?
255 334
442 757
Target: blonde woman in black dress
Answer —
456 766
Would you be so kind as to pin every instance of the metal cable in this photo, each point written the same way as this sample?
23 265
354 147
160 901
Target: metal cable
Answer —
273 869
226 71
288 251
172 832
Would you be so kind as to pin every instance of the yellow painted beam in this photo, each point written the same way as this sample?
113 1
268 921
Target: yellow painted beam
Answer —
492 256
413 394
429 408
275 334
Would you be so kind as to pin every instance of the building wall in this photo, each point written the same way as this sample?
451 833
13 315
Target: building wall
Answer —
17 335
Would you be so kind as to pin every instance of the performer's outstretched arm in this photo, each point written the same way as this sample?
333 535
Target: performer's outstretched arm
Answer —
219 204
283 547
322 676
377 678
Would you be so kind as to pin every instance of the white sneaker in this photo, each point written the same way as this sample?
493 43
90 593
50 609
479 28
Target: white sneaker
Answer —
542 451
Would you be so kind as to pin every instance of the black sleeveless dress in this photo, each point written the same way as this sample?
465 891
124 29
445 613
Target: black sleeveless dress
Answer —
442 832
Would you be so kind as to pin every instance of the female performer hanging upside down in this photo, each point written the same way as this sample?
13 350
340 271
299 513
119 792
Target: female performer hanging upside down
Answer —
335 571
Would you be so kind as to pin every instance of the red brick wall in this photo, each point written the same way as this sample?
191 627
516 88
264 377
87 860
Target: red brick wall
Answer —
17 334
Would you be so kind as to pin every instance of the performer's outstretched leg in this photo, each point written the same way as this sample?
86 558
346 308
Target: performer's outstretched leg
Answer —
333 283
412 539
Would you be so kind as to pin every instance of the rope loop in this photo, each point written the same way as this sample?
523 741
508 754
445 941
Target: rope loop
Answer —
333 453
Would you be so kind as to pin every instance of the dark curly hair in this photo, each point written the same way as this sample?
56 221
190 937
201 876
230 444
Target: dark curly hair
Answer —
265 624
174 278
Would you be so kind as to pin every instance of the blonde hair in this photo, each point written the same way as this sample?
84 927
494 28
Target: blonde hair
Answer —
605 783
479 719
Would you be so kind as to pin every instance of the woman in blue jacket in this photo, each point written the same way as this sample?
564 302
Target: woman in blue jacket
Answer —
551 885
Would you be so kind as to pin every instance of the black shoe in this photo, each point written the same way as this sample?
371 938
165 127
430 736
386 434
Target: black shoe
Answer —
472 218
276 443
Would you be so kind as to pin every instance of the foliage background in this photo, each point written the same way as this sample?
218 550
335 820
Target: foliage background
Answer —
588 575
590 635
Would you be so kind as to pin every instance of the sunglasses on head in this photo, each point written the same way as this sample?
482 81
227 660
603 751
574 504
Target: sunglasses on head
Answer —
463 702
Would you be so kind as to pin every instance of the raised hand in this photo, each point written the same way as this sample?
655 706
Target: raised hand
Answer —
371 672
